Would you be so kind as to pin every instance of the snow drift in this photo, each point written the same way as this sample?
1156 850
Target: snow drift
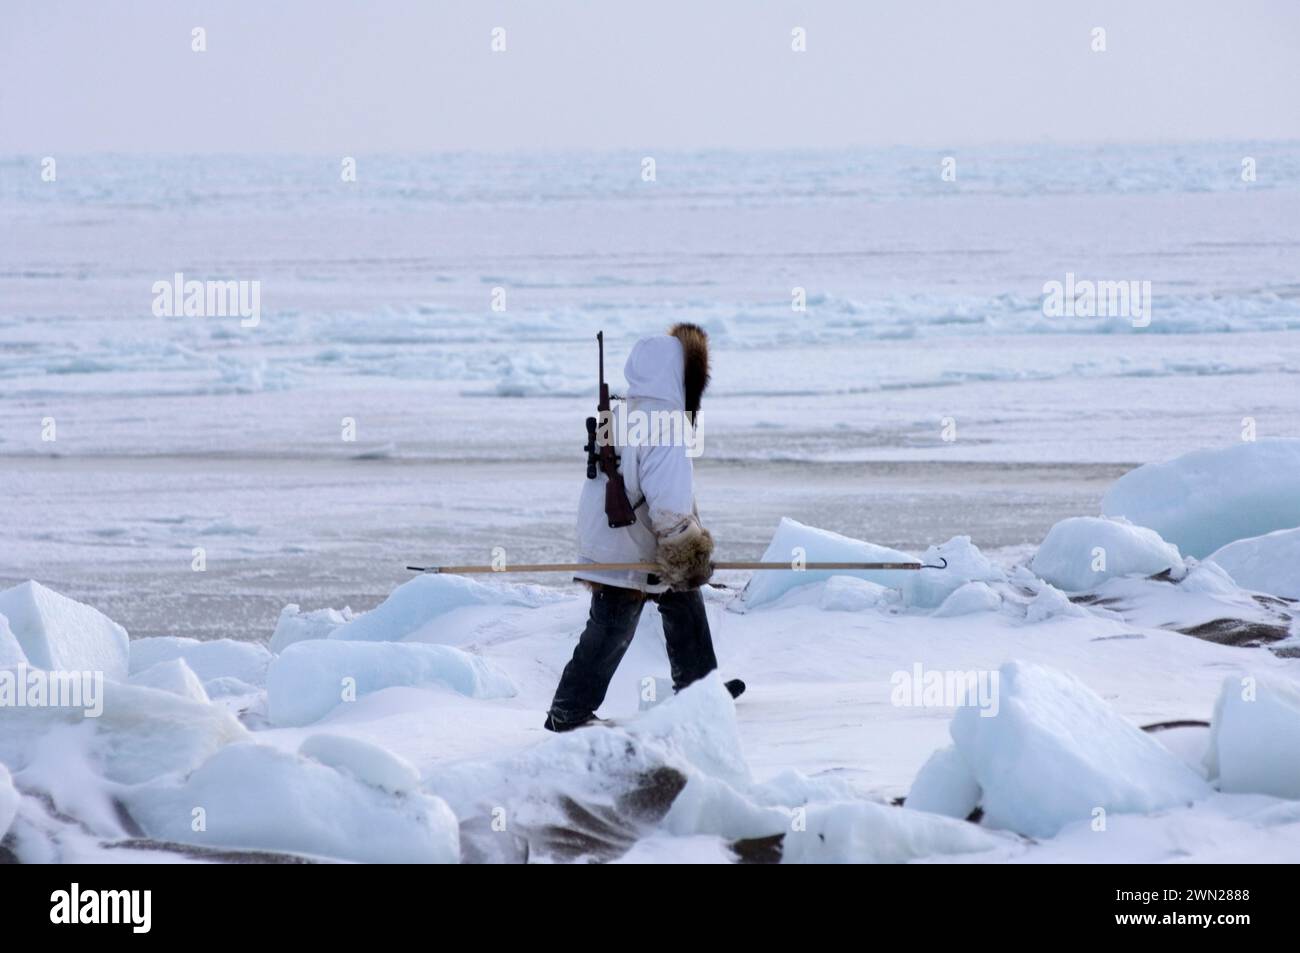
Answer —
1203 500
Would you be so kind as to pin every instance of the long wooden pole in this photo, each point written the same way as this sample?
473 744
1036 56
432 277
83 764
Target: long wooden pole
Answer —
651 567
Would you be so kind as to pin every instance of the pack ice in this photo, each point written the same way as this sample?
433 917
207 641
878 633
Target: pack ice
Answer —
54 632
1268 563
1052 754
1082 552
1204 500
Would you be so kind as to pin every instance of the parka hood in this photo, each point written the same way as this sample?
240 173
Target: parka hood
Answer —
672 367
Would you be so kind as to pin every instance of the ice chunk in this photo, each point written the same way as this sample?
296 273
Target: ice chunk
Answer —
367 762
8 801
295 625
11 653
218 658
415 604
308 679
1210 579
970 598
863 832
173 676
1055 754
792 539
1255 737
1268 563
1203 500
1047 602
255 796
141 732
850 594
945 785
228 685
1083 552
699 723
56 632
928 588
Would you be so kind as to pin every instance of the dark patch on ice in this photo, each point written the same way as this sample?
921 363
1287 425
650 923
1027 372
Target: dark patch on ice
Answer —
1167 725
1092 599
594 832
216 855
1238 632
135 839
759 850
974 817
125 819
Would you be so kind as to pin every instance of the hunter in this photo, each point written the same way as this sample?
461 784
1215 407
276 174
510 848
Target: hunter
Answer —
667 372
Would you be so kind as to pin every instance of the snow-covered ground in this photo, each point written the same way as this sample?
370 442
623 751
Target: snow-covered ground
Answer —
413 731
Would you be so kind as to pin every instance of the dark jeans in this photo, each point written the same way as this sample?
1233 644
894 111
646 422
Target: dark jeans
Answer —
610 627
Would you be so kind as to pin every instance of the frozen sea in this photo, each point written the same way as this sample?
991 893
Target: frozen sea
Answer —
923 305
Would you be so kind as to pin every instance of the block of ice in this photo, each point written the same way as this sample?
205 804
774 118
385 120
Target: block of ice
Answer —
1056 754
172 676
1255 737
1204 500
928 588
864 832
8 801
294 625
793 539
970 598
368 763
255 796
140 733
11 653
415 604
850 594
310 678
217 658
1083 552
56 632
1268 563
945 785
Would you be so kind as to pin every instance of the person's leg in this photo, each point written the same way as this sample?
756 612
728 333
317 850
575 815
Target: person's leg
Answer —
686 630
610 627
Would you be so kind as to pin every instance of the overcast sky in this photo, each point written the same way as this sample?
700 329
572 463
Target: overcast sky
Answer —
345 77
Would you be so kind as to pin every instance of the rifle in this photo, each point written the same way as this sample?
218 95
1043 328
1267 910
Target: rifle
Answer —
618 509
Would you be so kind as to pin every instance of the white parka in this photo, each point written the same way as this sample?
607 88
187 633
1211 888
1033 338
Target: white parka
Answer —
659 478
